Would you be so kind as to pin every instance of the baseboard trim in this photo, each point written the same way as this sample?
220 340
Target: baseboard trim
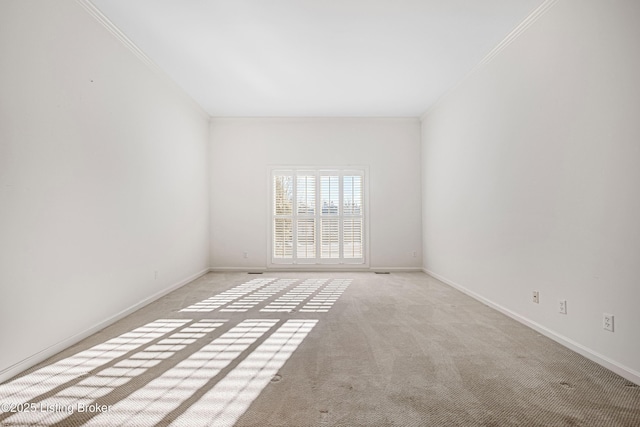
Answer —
314 269
235 269
594 356
54 349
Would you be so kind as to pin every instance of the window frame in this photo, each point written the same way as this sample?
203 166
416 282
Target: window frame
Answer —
321 263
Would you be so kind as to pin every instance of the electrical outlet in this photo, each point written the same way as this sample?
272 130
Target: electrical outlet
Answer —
607 322
415 254
245 254
536 297
155 275
562 307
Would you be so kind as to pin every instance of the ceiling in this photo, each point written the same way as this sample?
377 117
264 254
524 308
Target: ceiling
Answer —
316 58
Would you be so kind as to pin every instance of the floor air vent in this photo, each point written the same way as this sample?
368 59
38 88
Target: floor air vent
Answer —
382 272
254 272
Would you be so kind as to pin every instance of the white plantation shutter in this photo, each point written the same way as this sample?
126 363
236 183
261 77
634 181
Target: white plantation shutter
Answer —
283 238
306 221
306 233
318 216
306 200
352 238
352 190
283 216
283 194
329 238
330 194
352 235
329 216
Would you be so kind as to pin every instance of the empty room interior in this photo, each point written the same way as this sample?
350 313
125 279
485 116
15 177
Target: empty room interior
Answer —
319 213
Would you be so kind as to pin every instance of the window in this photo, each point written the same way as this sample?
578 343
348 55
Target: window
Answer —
318 216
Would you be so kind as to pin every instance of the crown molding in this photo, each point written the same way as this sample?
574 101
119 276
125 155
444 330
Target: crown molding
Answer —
92 10
106 23
513 35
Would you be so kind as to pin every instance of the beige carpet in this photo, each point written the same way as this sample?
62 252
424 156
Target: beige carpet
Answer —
318 349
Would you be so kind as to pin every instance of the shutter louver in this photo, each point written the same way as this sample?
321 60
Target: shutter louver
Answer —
306 238
306 194
283 238
283 194
352 237
329 239
329 194
352 199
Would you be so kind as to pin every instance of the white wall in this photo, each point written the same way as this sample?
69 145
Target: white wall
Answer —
103 180
531 179
243 149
